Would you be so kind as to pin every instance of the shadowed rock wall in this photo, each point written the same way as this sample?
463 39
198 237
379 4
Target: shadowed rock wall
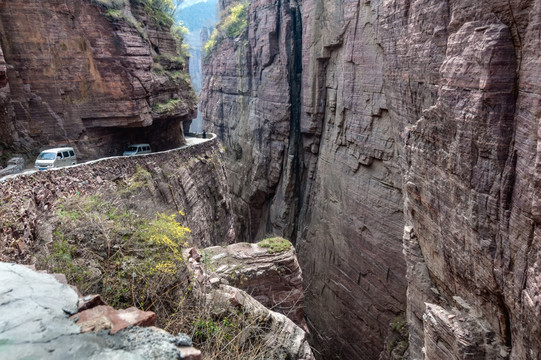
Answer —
299 105
436 103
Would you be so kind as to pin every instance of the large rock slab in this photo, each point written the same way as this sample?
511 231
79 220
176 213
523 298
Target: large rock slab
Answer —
272 278
282 338
34 323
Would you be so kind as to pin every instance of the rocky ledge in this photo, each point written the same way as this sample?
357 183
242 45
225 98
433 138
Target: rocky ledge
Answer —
255 280
274 278
35 322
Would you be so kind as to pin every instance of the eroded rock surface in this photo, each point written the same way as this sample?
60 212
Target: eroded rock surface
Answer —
282 337
464 97
434 101
70 72
34 323
272 278
300 107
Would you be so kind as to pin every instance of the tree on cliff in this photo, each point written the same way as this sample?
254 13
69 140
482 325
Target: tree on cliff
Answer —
170 7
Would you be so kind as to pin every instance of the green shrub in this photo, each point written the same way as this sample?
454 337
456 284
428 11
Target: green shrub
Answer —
179 31
168 106
230 334
103 247
233 24
397 340
116 11
236 22
111 4
134 184
169 62
212 42
114 14
160 11
275 244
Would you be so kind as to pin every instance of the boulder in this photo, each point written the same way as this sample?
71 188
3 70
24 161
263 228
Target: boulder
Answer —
272 278
35 323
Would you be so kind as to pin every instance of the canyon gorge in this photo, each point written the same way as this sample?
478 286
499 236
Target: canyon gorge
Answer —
395 143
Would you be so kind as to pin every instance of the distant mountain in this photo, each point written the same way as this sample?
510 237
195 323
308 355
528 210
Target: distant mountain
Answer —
187 3
198 15
201 14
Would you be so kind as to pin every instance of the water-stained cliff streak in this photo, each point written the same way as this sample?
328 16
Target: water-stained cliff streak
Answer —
249 85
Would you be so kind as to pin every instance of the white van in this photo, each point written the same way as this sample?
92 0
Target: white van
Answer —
56 157
137 149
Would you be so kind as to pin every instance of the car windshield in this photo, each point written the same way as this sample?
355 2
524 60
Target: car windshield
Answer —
132 148
46 156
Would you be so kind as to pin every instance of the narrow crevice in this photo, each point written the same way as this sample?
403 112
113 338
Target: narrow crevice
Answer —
506 333
295 139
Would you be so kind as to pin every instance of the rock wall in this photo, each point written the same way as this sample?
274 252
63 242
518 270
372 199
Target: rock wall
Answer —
465 100
299 105
246 101
78 73
336 116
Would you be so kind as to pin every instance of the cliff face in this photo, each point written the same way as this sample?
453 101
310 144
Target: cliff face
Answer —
300 107
91 77
464 96
246 100
329 129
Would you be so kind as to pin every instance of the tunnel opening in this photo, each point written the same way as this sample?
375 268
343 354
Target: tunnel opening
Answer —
101 141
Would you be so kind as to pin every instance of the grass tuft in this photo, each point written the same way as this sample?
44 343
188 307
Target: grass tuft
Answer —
275 244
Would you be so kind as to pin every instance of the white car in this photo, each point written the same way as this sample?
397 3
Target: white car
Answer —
137 149
56 157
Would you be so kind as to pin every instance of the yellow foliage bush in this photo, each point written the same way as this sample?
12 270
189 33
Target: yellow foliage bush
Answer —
165 232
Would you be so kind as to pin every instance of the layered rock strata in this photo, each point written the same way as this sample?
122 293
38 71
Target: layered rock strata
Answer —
434 101
464 96
272 278
35 323
74 72
283 339
300 107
